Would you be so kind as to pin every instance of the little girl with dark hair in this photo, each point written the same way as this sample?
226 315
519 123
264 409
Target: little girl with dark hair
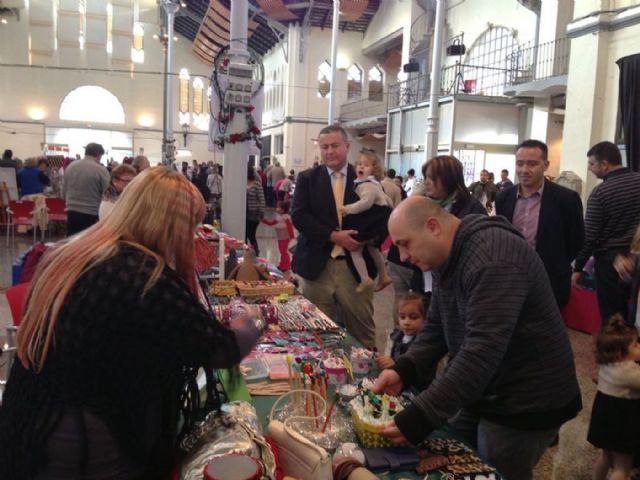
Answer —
616 409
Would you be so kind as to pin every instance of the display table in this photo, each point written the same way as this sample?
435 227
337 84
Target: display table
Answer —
263 404
298 330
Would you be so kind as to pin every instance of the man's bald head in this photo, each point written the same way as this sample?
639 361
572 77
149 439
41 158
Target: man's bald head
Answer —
423 232
416 209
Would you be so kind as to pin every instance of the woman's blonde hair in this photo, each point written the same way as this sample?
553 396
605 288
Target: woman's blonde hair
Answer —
158 213
377 170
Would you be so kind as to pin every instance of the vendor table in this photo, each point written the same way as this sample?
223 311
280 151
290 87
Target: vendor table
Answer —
293 305
263 406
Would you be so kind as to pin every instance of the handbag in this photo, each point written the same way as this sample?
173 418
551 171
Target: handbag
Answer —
300 458
233 430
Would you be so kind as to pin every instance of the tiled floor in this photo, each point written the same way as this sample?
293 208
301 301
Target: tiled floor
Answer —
571 460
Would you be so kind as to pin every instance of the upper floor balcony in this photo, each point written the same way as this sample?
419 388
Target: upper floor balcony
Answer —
536 71
371 111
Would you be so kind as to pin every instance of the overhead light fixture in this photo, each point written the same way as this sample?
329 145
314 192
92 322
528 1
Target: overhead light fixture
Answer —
175 38
3 21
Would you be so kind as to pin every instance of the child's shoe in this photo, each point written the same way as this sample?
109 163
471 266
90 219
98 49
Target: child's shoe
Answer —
365 285
384 281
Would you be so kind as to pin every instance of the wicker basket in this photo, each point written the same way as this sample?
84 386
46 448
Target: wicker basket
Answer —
223 288
260 289
369 436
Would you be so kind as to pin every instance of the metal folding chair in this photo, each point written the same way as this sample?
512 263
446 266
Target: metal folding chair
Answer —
20 212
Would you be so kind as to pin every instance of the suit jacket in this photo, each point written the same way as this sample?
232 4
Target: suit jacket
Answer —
560 232
314 215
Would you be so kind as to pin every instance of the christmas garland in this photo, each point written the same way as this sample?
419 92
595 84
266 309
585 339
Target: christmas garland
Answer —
251 133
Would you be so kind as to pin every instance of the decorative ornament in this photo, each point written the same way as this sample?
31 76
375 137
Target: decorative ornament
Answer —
252 132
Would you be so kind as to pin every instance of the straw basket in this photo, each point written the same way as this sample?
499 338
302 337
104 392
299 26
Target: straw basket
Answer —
369 436
223 288
260 289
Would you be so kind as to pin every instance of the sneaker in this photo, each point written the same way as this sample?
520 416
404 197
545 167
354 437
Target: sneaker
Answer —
383 282
365 285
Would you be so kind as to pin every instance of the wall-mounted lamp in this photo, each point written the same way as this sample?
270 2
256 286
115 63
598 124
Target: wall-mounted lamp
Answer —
184 117
145 120
137 47
36 113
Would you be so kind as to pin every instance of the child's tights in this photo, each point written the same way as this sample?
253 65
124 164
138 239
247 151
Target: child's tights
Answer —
361 266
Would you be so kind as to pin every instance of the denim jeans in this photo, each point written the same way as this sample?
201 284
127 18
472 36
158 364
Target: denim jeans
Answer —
514 453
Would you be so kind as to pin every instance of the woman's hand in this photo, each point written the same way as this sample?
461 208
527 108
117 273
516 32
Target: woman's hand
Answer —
248 313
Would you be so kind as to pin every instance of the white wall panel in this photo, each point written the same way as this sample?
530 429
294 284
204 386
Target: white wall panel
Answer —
96 7
486 123
41 13
96 56
41 38
122 19
71 56
71 5
122 47
96 30
23 138
68 29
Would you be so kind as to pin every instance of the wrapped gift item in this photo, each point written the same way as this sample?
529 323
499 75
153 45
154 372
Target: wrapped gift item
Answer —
361 360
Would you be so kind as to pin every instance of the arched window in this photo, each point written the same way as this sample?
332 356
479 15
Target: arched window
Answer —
488 61
324 82
354 82
91 103
375 84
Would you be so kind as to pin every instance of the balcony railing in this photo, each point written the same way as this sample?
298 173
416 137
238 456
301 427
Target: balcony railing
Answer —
455 79
540 62
524 65
364 108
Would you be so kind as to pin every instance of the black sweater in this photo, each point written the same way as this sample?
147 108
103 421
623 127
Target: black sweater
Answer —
493 310
124 357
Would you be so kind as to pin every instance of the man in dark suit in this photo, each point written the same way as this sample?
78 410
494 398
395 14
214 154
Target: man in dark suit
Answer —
321 259
548 215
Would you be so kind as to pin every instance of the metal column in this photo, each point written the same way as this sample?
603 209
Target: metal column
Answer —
236 155
431 147
334 61
168 142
